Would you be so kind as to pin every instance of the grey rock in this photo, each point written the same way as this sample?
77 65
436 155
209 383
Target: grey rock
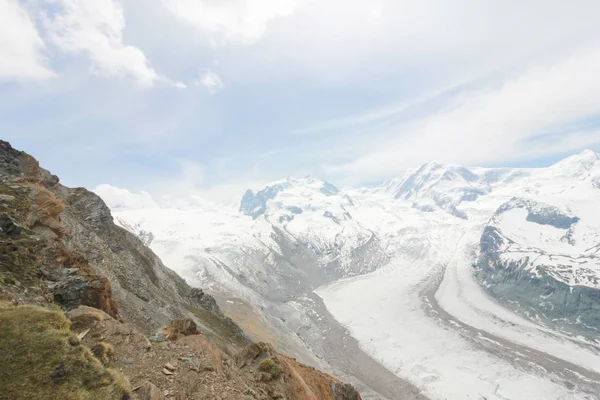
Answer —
543 214
536 294
9 226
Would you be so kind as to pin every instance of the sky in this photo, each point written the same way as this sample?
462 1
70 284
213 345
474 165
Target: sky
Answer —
171 98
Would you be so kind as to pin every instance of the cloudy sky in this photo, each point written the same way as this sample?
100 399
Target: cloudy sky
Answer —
210 97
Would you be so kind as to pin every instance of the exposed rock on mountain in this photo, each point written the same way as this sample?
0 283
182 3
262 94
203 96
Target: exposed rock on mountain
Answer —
81 256
60 246
187 365
532 258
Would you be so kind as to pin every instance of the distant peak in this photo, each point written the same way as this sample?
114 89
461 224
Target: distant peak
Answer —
434 164
584 160
587 153
254 203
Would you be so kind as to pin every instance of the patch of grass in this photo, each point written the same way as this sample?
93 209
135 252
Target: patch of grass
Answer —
19 260
20 203
103 351
83 318
41 359
271 367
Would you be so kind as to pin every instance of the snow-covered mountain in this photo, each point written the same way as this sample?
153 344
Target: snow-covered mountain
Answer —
302 233
540 253
439 186
291 236
529 237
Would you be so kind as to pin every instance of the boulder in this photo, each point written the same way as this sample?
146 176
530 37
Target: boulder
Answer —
9 226
148 391
181 327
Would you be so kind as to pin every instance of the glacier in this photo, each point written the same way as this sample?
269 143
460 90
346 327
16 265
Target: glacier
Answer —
466 282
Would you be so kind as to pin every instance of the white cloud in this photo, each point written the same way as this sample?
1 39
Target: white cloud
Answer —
211 81
122 199
96 29
424 44
377 13
231 21
21 48
532 115
187 188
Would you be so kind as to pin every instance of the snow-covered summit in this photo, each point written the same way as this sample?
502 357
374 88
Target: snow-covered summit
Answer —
309 231
293 196
435 185
313 212
445 186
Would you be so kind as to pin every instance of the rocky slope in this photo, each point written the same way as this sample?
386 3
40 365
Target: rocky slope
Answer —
60 246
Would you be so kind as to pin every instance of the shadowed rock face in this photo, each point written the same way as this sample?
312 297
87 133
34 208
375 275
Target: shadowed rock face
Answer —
575 309
73 228
255 205
535 292
542 214
110 268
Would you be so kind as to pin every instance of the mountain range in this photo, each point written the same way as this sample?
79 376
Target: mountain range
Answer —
528 238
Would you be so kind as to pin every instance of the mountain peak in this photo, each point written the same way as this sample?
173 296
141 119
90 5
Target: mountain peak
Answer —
589 153
577 165
254 204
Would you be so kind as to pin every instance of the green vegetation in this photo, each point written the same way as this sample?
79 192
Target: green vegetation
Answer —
103 351
17 254
271 368
42 359
19 260
16 201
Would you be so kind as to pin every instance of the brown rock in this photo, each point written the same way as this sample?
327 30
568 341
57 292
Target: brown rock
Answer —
252 352
149 391
181 327
170 367
84 318
99 294
142 341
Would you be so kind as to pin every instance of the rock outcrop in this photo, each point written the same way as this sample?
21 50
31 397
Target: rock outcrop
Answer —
59 246
539 280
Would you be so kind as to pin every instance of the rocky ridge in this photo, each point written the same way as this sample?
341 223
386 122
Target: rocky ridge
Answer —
60 246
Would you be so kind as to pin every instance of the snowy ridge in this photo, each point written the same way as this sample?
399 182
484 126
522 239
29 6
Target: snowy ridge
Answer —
447 187
545 240
296 229
314 213
533 236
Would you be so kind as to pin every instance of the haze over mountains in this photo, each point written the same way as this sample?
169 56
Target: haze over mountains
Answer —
447 274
